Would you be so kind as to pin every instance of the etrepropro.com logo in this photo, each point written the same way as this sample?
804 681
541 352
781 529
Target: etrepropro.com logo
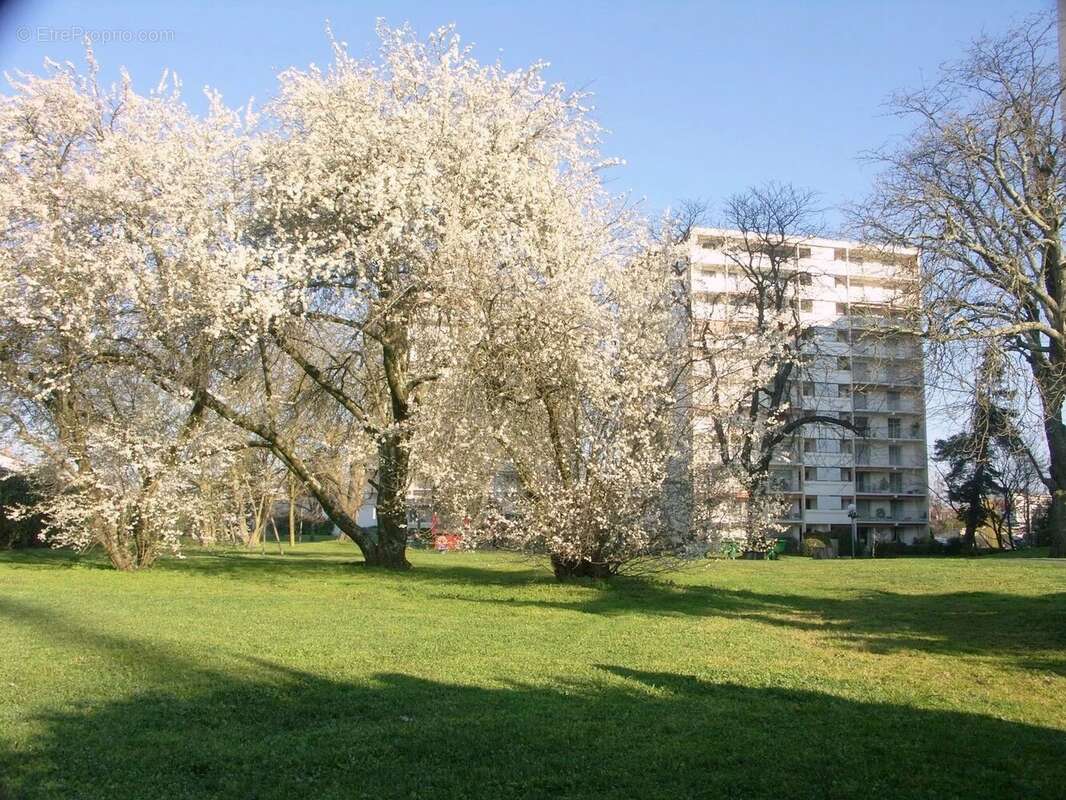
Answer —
50 34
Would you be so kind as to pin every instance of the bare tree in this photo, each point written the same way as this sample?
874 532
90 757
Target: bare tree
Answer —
755 347
979 188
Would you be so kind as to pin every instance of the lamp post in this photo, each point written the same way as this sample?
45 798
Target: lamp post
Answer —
853 514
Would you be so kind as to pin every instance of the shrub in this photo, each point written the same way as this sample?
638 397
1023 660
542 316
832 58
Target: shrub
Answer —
815 547
730 548
927 547
24 531
1041 523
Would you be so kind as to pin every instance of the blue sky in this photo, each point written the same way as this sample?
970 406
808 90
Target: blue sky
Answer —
702 98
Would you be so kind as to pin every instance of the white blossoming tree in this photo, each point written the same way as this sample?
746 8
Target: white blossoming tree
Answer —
567 384
106 267
311 278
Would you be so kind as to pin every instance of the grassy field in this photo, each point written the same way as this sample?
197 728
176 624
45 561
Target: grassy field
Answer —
229 675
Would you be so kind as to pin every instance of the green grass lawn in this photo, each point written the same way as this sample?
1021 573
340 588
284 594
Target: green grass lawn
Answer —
228 675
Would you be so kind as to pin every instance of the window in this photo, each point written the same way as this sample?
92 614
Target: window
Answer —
860 398
895 455
845 502
810 503
840 254
804 279
845 445
810 445
843 362
842 308
808 389
862 423
708 273
810 473
806 305
805 252
843 336
894 429
840 281
843 390
845 473
892 398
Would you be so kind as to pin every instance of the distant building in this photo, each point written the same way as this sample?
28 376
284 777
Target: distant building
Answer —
865 366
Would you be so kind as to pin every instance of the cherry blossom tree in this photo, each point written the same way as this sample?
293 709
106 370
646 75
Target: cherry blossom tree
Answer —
567 383
308 277
105 258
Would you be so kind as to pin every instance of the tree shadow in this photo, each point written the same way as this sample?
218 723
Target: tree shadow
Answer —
248 565
1029 631
290 734
1026 631
263 730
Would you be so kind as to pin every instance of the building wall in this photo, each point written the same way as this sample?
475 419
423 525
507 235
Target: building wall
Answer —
864 365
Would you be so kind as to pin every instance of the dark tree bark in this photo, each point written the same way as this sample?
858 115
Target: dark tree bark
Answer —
567 568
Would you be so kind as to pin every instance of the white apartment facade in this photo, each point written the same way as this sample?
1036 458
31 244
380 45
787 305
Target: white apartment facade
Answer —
865 366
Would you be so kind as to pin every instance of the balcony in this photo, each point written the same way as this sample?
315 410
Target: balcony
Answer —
913 433
886 377
919 518
889 488
877 461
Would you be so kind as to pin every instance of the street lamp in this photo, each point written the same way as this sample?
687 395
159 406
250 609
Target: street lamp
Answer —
853 514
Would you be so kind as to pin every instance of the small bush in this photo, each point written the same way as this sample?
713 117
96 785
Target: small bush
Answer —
17 490
815 547
927 547
1041 523
953 546
730 548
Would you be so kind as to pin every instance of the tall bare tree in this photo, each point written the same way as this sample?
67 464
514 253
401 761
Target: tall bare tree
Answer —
756 347
980 188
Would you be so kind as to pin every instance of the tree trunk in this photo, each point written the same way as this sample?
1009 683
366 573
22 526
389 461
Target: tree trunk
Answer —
387 546
390 550
566 568
973 515
1057 523
1055 434
292 511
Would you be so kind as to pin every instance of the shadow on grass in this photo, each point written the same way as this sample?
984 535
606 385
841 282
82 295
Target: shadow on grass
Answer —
1026 631
266 731
268 566
644 735
1030 631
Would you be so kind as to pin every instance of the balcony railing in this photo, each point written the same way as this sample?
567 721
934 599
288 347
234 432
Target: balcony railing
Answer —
884 487
886 377
872 515
881 462
871 432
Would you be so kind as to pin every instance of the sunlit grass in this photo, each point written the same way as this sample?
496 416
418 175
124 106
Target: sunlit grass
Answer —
243 675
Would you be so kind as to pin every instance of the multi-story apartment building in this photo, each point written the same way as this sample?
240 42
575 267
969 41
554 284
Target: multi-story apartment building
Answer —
861 363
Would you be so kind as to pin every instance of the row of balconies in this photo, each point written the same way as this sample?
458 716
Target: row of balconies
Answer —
796 514
779 485
912 432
